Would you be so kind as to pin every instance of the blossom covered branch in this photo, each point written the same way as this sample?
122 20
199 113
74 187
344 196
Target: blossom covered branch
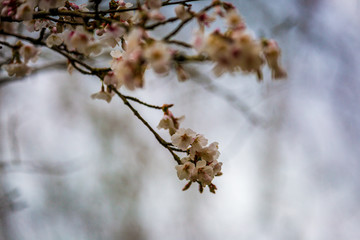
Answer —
80 34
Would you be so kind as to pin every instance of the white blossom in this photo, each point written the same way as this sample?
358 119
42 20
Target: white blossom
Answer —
170 122
79 40
131 73
47 4
185 171
102 95
210 153
124 16
70 68
272 54
234 20
17 69
185 159
204 174
54 40
216 167
204 20
29 52
182 12
83 8
198 40
198 144
158 55
112 34
111 79
181 74
94 48
24 12
182 138
153 4
133 40
156 15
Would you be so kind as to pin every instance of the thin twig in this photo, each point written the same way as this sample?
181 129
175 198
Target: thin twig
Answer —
177 29
157 136
180 43
177 150
141 102
155 25
167 3
63 21
41 35
92 71
181 25
6 44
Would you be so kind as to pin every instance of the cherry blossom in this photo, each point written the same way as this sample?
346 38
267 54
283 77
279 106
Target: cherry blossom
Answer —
54 40
47 4
183 138
124 16
181 74
102 95
153 4
111 79
29 52
170 122
204 174
158 55
24 12
112 34
17 69
185 171
182 12
210 153
272 53
234 20
79 34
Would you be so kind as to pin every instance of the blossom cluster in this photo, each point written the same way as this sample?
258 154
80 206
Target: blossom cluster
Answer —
236 49
134 50
22 54
81 32
233 51
201 162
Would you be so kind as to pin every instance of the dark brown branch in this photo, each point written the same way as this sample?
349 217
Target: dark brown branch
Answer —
180 43
191 58
167 3
92 71
57 12
141 102
63 21
87 15
6 44
177 150
41 35
182 24
177 29
155 25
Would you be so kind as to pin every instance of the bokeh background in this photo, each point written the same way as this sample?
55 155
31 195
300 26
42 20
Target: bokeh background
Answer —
76 168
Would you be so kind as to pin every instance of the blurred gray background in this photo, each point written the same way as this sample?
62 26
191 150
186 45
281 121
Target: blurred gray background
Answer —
75 168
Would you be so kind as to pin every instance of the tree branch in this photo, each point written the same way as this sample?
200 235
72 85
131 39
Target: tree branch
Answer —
141 102
157 136
92 71
182 24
